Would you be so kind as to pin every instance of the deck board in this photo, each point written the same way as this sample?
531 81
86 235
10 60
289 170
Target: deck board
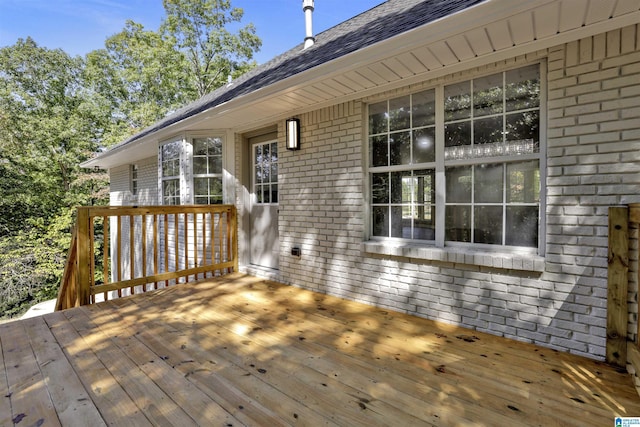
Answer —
242 351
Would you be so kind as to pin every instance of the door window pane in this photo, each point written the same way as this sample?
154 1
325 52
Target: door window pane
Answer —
265 180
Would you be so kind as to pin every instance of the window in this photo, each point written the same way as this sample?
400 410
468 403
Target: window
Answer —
481 136
207 171
170 167
134 180
191 171
265 168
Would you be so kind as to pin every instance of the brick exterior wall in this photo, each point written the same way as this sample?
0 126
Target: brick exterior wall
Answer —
559 301
593 146
593 163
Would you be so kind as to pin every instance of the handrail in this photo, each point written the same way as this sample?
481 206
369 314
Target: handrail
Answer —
67 294
146 245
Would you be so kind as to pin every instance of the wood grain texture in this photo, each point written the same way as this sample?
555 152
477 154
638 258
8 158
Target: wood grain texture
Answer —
238 350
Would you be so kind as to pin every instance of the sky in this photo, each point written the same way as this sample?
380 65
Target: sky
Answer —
80 26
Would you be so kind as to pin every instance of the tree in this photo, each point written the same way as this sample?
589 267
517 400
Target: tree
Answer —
56 110
48 125
199 29
141 75
138 78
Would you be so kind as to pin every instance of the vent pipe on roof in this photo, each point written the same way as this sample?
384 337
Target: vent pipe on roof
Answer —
307 7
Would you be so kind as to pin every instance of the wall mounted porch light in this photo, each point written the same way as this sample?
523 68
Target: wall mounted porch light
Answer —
293 134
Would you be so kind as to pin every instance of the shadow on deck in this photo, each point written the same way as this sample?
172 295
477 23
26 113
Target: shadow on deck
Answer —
238 350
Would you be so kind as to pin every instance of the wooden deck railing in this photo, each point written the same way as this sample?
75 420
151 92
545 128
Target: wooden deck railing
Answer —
121 250
618 350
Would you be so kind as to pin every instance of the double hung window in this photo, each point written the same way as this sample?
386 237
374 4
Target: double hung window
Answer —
482 138
134 179
402 162
207 171
170 172
191 171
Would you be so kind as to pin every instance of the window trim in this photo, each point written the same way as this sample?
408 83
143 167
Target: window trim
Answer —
134 179
178 139
186 175
190 137
254 197
375 243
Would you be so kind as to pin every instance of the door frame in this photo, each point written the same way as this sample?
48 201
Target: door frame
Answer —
249 140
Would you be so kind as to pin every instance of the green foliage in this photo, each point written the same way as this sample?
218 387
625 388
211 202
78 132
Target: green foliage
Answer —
56 110
48 125
199 30
138 78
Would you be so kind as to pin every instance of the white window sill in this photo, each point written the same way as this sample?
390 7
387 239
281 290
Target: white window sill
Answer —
502 260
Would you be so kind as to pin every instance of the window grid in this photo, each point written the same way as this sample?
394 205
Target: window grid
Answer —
134 179
265 173
509 146
170 169
402 147
207 171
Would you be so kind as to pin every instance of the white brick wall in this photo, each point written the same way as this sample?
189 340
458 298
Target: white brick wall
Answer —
593 156
594 146
593 162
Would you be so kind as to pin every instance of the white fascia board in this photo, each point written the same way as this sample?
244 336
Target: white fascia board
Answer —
466 20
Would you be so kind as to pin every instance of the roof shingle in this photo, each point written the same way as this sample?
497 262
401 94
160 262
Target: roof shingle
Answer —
373 26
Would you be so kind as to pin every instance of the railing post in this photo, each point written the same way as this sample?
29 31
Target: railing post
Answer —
234 237
84 257
634 218
617 283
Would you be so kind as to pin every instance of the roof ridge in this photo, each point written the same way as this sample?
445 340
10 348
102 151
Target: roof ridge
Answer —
382 22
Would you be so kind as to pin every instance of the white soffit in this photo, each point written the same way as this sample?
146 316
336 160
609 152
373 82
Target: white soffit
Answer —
491 31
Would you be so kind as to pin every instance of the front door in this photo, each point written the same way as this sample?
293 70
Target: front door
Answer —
265 239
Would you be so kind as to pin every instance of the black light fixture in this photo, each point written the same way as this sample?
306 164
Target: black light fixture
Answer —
293 134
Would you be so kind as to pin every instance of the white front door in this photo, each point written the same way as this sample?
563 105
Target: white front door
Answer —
265 239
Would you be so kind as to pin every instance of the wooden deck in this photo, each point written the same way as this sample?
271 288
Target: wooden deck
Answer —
242 351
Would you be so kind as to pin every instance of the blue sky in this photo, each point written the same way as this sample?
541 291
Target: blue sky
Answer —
80 26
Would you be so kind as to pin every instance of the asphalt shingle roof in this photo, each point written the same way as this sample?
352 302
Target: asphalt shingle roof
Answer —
375 25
